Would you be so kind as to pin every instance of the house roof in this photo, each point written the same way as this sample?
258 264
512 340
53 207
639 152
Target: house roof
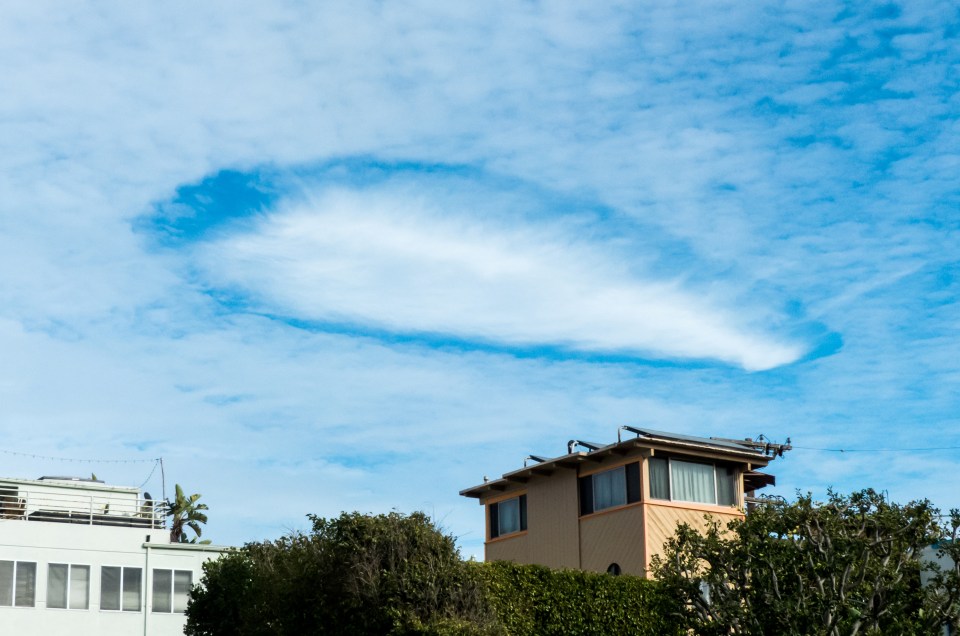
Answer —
755 453
69 483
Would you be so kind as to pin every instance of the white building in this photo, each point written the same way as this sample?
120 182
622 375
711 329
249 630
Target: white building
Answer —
80 557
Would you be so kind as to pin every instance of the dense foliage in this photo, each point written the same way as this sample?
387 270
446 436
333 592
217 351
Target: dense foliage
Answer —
531 600
848 566
356 574
397 574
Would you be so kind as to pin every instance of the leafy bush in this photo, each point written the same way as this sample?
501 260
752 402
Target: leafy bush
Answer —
532 600
396 574
356 574
850 565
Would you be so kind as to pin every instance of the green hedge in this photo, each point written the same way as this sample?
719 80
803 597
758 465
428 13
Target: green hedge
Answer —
531 600
399 575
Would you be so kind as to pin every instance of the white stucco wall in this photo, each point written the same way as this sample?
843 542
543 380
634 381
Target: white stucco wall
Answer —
95 546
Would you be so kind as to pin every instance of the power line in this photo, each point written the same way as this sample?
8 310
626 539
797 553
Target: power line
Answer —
152 470
86 461
878 450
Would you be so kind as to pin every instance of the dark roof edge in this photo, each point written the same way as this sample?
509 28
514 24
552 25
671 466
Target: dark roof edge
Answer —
647 440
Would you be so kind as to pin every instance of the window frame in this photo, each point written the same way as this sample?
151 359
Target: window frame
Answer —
632 488
494 517
732 471
121 605
172 591
68 584
15 569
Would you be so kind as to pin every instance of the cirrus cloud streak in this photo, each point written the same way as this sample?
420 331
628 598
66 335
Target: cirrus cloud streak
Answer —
405 265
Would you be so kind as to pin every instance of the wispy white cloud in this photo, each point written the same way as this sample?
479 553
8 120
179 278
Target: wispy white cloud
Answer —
395 263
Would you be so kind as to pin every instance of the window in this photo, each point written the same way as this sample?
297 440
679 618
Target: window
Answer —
120 588
680 480
18 583
68 586
171 590
610 488
508 516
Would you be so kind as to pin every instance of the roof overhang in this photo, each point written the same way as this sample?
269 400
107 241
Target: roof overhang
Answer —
651 441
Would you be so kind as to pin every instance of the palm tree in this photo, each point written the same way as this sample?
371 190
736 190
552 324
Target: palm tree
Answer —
185 512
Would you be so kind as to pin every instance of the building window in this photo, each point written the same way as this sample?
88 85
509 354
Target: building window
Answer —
171 590
68 586
508 516
18 583
613 569
679 480
610 488
120 588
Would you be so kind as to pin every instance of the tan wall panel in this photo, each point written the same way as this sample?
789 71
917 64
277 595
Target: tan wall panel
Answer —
552 512
508 549
613 537
662 522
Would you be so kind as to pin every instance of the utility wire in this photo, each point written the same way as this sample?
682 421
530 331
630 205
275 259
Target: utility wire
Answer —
152 470
877 450
87 461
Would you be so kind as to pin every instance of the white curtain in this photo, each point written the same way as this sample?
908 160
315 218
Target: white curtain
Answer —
26 584
509 515
659 478
79 586
131 589
109 588
6 583
182 582
609 488
726 486
162 583
57 585
693 482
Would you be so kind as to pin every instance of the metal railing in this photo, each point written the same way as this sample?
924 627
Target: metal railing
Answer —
102 509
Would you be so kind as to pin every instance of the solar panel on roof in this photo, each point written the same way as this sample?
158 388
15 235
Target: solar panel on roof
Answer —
709 441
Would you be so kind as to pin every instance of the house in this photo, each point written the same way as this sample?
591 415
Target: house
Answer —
78 556
610 508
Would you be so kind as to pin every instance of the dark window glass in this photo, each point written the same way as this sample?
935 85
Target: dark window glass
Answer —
633 482
586 495
523 512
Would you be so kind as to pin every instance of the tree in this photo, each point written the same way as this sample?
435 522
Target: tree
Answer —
185 512
356 574
848 566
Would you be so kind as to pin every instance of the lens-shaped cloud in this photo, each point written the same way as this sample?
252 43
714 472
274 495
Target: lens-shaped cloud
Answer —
402 264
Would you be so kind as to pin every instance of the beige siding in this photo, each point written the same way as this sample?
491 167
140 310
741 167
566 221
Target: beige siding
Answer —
552 511
557 536
663 519
615 536
509 548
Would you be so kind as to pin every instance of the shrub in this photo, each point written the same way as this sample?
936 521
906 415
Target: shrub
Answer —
534 600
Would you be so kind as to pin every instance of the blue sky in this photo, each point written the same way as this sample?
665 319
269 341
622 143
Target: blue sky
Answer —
357 256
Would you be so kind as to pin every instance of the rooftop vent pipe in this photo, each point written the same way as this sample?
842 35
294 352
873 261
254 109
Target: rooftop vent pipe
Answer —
590 446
